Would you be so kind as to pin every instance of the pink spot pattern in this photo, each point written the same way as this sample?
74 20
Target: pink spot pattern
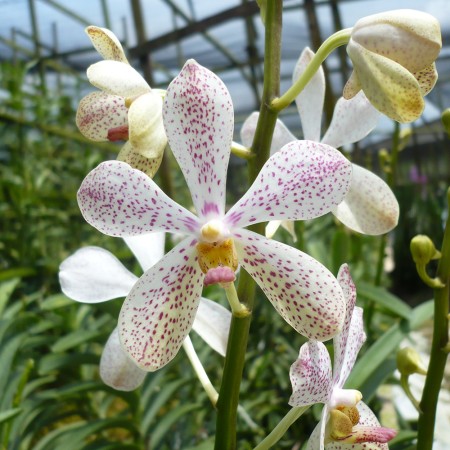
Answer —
302 290
304 180
100 112
199 120
121 201
159 311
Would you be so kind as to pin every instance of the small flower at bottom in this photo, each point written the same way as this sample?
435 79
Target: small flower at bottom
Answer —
302 181
126 108
345 418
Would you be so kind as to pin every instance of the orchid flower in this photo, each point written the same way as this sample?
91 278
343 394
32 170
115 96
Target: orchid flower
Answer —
126 108
393 56
345 418
93 275
302 181
370 206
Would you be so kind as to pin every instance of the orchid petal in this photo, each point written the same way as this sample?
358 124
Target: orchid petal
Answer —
121 201
147 165
311 99
370 206
390 87
302 181
160 309
117 78
349 341
146 129
301 289
117 370
273 225
408 37
281 135
311 375
98 113
426 78
106 43
352 121
198 116
212 324
93 275
147 248
317 439
352 87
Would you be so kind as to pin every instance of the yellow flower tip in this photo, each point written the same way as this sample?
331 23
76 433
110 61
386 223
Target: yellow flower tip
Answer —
351 412
211 231
423 249
409 362
445 118
340 425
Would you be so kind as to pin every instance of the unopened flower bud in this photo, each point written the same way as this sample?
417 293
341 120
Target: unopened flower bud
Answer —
409 362
445 118
393 56
423 249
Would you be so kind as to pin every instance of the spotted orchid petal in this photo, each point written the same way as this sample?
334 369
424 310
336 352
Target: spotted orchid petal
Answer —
198 117
311 375
117 370
391 88
212 324
147 248
281 134
93 275
317 438
146 129
426 78
100 112
159 311
349 341
370 206
301 289
352 121
147 165
310 101
106 43
302 181
121 201
117 78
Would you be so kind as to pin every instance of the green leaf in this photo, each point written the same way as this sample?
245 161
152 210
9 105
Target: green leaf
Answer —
340 249
380 296
52 362
55 302
6 289
9 414
168 420
74 339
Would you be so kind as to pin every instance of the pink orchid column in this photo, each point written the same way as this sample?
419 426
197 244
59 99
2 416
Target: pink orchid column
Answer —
303 180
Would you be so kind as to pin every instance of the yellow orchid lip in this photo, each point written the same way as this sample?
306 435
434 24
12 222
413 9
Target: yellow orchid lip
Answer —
217 254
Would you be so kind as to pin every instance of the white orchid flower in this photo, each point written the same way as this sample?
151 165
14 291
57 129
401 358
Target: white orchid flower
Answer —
93 275
393 55
302 181
370 206
125 108
345 418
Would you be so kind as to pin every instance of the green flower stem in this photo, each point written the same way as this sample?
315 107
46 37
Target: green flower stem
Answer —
241 151
200 370
334 41
237 308
278 432
237 342
407 390
438 357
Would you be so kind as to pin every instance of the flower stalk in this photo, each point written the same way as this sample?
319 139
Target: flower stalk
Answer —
237 343
334 41
438 356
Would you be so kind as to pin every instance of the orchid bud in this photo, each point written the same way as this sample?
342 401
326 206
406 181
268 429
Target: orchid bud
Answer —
409 362
393 56
445 118
423 249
